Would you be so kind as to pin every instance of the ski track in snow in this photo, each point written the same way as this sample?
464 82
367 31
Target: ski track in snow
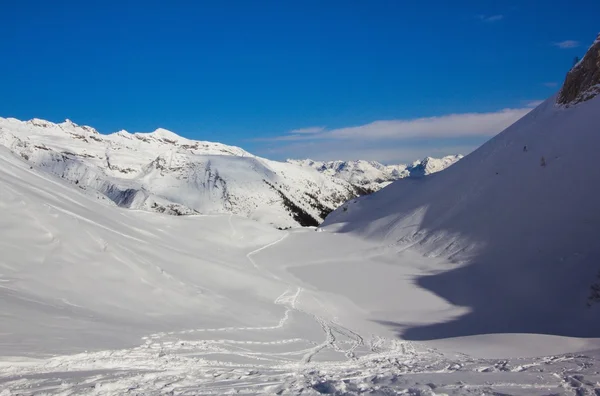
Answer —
167 343
249 255
81 218
233 231
172 363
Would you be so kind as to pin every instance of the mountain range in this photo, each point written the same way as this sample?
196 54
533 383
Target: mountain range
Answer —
373 176
164 172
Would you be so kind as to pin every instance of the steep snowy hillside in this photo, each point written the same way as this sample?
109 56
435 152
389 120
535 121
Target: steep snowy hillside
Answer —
519 217
163 172
373 176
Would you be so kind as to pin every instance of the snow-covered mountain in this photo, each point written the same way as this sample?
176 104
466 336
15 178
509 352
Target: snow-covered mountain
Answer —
161 171
519 217
373 176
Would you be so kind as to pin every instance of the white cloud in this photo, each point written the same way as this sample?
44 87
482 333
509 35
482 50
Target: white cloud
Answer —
395 141
550 84
490 18
353 150
308 130
566 44
447 126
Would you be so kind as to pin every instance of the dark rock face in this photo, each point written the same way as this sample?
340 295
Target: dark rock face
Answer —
583 80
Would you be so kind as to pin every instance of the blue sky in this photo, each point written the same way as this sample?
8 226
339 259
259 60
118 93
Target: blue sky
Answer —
319 79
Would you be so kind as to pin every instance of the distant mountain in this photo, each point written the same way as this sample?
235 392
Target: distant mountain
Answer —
373 176
519 218
163 172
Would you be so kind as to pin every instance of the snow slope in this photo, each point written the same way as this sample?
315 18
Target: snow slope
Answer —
519 219
101 300
161 171
372 175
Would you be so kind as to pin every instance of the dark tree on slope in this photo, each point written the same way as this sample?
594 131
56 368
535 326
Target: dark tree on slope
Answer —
594 292
300 215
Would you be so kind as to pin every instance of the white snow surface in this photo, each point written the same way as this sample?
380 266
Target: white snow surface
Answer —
97 299
161 171
372 175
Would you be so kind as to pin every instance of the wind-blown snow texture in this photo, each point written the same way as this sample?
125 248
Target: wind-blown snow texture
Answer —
163 172
373 176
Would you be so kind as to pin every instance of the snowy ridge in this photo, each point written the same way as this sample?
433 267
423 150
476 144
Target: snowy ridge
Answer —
161 171
373 176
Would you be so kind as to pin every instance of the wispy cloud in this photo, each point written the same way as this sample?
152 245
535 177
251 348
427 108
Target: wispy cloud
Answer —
447 126
348 152
309 130
566 44
399 140
551 84
490 18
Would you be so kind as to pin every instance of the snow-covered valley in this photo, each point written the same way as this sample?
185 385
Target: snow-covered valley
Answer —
481 279
103 300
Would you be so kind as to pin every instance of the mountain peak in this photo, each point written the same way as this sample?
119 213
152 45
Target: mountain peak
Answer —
583 80
165 134
68 122
41 123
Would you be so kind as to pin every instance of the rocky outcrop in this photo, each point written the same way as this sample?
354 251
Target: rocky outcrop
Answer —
583 80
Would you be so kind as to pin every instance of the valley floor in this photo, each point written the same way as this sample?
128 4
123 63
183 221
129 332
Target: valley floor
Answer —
98 300
309 348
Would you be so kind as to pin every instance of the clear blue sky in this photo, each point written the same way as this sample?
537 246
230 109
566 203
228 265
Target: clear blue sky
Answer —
249 72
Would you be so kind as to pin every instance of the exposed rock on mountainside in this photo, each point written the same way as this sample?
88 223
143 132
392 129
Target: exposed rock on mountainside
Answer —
583 80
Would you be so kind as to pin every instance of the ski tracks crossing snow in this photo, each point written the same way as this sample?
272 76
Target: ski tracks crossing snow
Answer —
168 364
170 359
